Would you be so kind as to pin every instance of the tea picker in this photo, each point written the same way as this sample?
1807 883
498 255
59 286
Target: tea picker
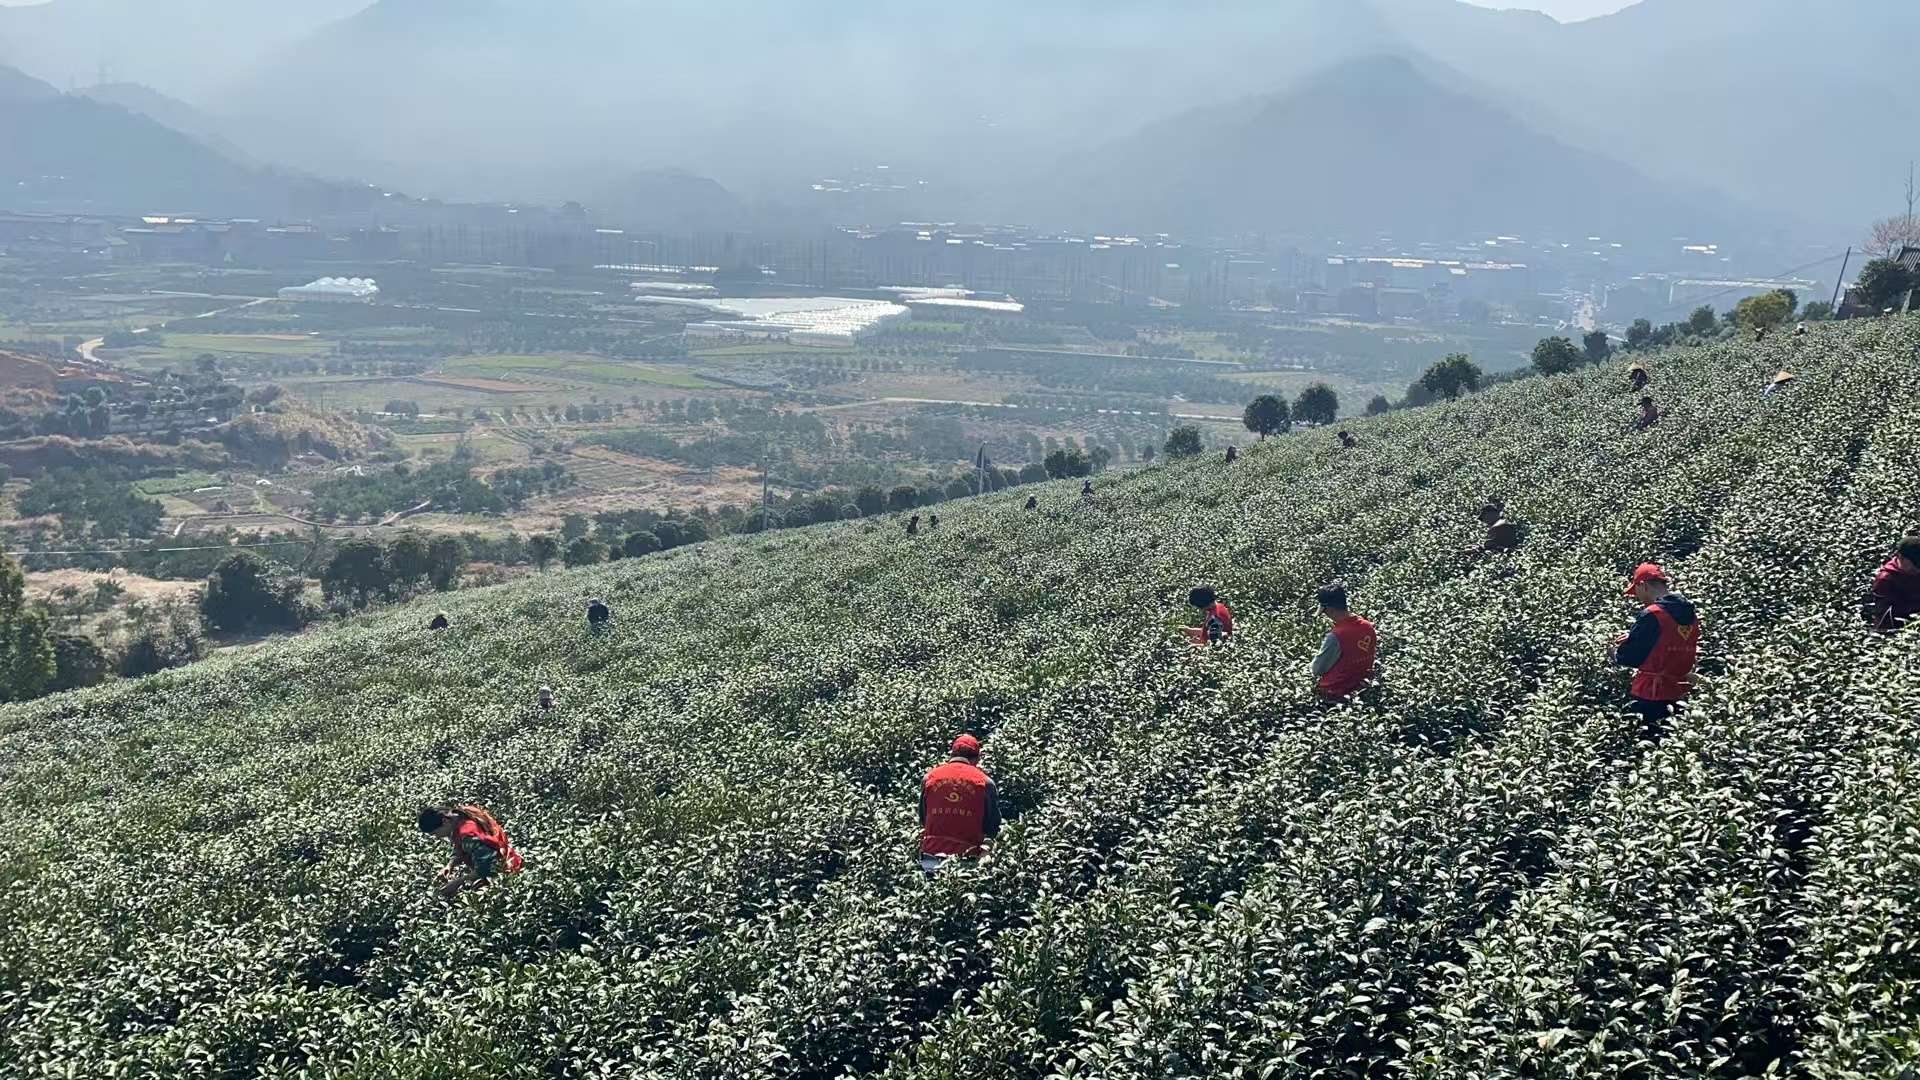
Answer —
481 850
1502 534
1663 646
1348 653
959 808
599 615
1217 619
1893 600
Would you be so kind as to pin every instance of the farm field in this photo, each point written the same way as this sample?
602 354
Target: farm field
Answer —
564 367
1476 869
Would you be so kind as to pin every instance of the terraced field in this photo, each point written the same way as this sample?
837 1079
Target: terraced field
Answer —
1477 869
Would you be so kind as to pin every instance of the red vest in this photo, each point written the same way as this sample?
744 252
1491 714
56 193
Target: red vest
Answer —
495 838
1666 676
1216 620
1358 644
956 819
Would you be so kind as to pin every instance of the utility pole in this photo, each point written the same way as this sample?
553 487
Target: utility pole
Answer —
1847 258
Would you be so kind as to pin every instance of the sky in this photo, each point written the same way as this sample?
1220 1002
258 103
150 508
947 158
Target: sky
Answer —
1564 10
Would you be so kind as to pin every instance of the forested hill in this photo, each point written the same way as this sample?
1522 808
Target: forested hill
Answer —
1475 870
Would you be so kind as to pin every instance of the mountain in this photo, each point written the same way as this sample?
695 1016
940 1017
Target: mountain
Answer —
668 199
1794 106
167 112
799 92
69 152
1478 866
184 47
18 86
1374 145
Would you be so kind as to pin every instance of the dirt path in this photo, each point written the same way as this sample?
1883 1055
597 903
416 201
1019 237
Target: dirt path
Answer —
89 350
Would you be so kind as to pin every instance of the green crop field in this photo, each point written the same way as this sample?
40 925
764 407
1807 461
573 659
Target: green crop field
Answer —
1476 869
187 346
561 366
176 485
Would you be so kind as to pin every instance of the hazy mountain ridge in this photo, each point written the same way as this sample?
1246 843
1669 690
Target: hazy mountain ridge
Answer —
168 112
183 48
1375 144
71 152
518 99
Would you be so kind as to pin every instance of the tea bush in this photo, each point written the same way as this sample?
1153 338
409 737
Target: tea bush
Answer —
1477 869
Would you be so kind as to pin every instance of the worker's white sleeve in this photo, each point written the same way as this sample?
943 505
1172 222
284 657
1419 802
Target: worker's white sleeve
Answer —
1329 655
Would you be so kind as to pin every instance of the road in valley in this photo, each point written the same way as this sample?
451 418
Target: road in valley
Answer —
89 350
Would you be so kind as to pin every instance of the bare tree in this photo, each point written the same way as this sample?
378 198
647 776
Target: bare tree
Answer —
1889 235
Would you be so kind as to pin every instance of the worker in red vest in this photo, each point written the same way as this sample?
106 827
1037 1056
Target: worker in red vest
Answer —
959 808
1346 659
1894 599
1663 645
1217 619
481 850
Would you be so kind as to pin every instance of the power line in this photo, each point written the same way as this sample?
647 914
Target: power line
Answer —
1699 300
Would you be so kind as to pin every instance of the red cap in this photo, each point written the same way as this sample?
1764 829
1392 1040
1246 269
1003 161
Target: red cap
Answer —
966 746
1646 572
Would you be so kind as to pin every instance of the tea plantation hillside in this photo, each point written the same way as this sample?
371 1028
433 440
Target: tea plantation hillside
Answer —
1476 870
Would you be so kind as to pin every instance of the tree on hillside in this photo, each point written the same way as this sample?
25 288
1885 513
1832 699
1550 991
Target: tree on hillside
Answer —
1453 376
1596 347
1763 313
1148 452
1704 321
574 526
640 544
1184 442
903 497
28 662
1883 284
871 500
543 549
357 573
1555 356
1817 311
1267 415
1100 457
1317 404
408 563
171 636
1379 405
445 557
586 551
1066 463
1640 334
1887 236
79 662
246 591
